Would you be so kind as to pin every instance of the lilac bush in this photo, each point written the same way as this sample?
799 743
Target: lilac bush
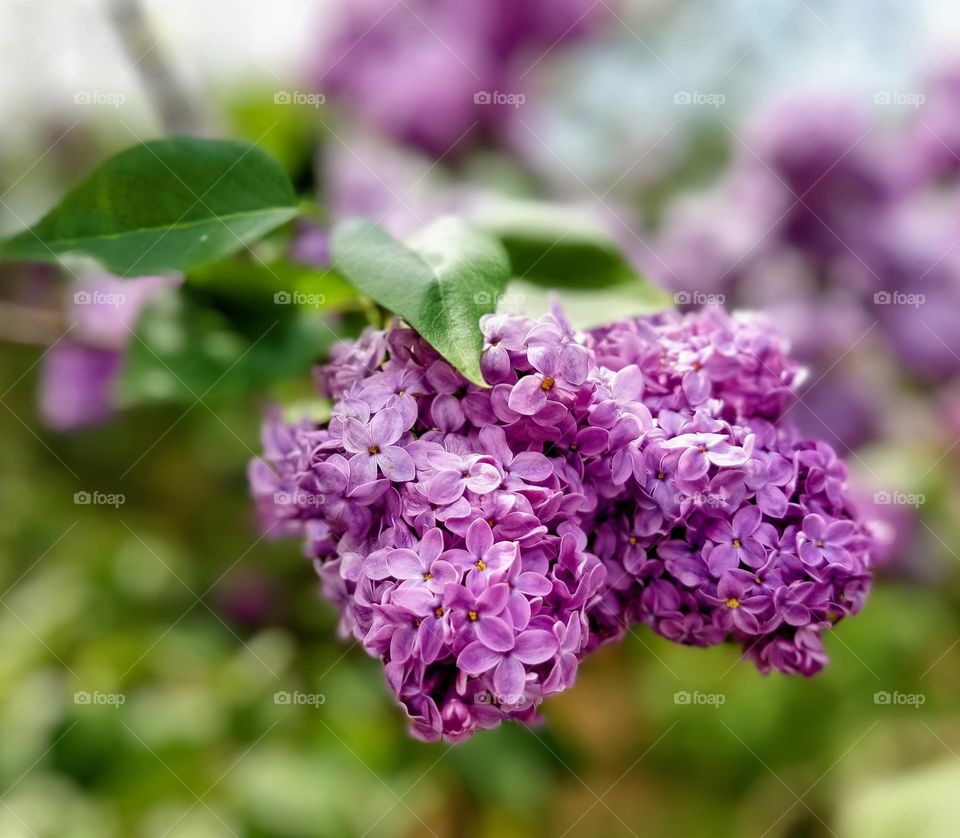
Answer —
80 371
481 541
844 227
425 72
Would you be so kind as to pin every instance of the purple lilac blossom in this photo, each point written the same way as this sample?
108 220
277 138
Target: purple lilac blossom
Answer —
638 473
424 72
80 370
844 229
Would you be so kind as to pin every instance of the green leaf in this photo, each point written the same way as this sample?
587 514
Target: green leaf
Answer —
162 206
441 281
185 350
257 291
587 308
554 245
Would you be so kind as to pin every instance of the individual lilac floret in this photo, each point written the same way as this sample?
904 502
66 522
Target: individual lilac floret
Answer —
481 542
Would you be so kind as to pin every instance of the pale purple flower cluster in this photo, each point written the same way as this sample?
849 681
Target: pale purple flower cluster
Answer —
480 541
730 527
843 225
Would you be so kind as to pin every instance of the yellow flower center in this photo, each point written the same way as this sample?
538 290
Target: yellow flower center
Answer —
547 383
632 540
374 450
480 564
427 576
472 616
737 544
819 542
438 611
661 476
733 602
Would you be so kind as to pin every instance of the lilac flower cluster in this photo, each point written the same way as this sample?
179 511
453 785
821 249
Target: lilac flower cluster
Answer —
844 228
428 72
730 527
481 541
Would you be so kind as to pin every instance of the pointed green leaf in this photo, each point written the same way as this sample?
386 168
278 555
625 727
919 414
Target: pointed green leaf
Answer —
164 206
441 281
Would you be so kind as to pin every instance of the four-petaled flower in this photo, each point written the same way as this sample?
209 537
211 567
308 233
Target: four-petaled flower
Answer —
509 676
373 447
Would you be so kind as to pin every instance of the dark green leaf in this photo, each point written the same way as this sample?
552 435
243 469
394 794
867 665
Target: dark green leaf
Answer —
184 350
557 253
257 291
555 246
164 206
587 308
441 281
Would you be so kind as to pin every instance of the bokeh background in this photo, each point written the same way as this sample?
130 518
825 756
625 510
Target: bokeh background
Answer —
800 157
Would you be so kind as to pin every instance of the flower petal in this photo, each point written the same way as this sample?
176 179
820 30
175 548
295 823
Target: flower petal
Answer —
527 396
495 633
535 646
397 464
476 659
509 679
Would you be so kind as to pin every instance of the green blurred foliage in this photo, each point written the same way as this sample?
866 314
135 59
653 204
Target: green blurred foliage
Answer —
174 602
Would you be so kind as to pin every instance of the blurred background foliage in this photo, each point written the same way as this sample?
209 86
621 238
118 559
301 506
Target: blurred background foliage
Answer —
172 601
